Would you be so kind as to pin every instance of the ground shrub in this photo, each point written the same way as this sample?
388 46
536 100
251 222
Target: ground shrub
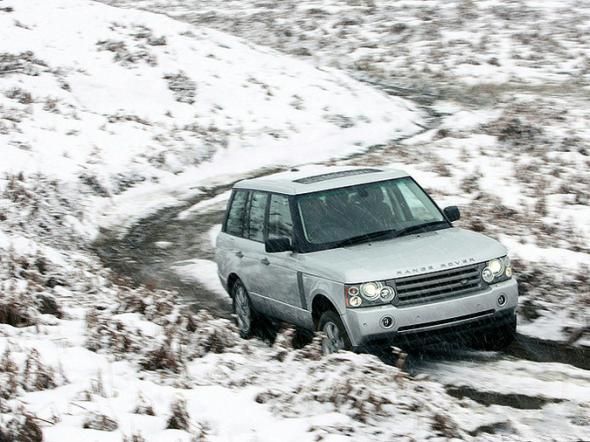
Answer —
9 376
144 407
16 311
101 422
162 358
21 428
179 418
182 86
104 333
37 376
24 63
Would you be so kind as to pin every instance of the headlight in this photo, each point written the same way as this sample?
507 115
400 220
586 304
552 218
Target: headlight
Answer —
371 290
369 294
497 270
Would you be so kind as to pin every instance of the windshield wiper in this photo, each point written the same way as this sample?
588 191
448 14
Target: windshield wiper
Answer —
366 237
413 228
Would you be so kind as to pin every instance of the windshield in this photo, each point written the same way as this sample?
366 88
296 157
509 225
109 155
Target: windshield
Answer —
365 212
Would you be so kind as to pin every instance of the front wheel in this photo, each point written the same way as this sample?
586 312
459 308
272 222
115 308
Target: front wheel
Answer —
245 314
335 337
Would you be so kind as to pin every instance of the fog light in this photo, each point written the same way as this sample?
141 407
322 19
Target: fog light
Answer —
501 300
509 272
386 322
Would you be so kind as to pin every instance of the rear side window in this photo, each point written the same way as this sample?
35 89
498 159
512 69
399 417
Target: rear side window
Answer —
280 223
258 201
235 217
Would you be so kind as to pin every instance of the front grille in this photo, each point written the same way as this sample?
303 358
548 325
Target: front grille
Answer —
437 286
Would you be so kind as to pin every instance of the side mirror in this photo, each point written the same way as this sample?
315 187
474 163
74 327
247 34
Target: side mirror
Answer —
452 213
276 245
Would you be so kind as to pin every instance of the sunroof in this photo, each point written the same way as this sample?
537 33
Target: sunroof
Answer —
332 175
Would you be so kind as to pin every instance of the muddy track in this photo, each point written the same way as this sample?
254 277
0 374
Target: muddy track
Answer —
146 253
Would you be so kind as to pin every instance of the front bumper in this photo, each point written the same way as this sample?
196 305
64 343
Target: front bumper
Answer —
366 325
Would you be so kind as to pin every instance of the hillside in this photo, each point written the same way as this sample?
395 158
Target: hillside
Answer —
109 117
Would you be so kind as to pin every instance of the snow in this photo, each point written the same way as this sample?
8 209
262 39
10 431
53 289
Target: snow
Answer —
203 271
119 113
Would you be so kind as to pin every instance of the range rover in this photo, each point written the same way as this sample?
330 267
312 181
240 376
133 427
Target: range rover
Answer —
363 255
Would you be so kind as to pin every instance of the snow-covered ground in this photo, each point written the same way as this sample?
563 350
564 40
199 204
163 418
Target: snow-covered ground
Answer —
508 82
108 114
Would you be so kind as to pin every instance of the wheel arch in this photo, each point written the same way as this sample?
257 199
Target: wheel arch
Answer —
320 304
231 281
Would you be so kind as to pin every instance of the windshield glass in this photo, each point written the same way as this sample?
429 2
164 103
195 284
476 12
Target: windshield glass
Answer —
365 212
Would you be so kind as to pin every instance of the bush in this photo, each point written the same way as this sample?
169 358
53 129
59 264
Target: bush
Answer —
37 376
23 63
9 374
179 419
21 428
143 407
16 311
162 358
182 86
101 422
102 332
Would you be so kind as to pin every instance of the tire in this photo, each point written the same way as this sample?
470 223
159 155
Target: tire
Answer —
335 336
497 338
243 310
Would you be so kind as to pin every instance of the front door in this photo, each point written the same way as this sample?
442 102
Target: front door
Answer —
279 281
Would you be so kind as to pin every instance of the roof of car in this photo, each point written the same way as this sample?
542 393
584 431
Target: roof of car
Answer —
316 178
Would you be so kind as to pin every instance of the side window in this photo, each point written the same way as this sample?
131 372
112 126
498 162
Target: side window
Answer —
235 217
280 223
258 201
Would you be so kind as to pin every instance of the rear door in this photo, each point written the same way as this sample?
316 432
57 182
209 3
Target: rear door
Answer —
253 248
230 242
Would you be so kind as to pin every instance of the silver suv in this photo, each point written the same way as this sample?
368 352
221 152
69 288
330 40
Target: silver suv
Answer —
364 255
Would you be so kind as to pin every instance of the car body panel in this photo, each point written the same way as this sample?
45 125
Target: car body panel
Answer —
364 323
406 256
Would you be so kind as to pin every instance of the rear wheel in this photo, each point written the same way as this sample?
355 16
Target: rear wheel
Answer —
335 337
245 314
498 338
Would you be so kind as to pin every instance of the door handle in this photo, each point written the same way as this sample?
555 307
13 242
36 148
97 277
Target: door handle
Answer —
265 261
239 254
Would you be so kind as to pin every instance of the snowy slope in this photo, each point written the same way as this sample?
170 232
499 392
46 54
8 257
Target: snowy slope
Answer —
113 98
434 44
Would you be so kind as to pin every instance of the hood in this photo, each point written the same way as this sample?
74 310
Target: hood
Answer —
404 256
